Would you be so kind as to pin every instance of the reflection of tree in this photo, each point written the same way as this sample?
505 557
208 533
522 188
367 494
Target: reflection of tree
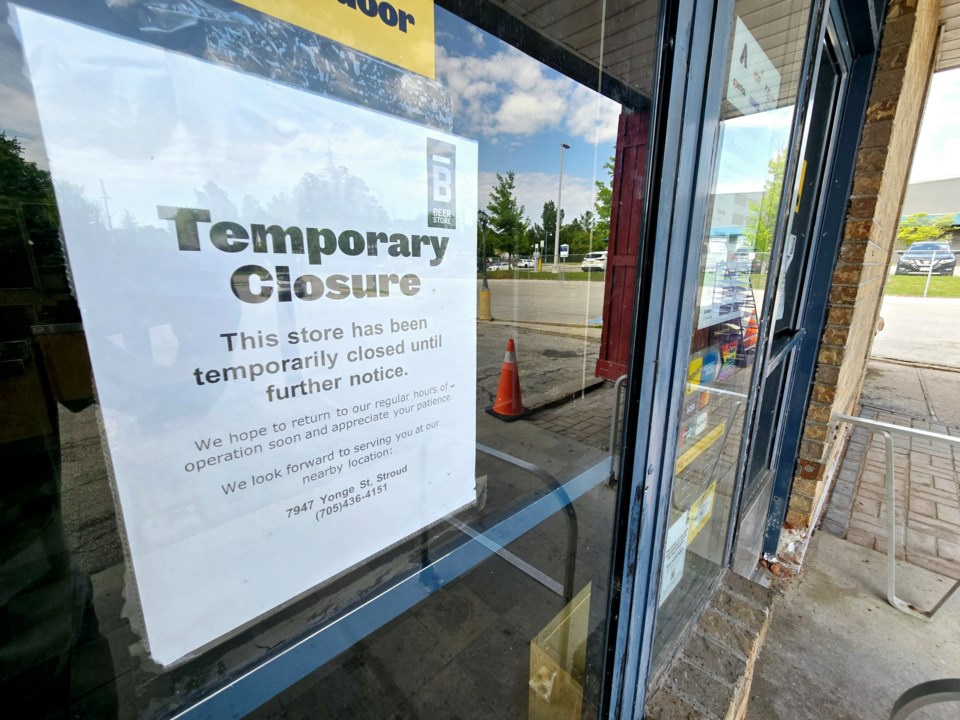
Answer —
330 196
28 218
335 189
247 40
762 221
506 215
603 201
581 234
47 618
75 207
538 233
216 200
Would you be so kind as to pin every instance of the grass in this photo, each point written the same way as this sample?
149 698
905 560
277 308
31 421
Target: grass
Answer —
758 281
904 285
912 286
531 275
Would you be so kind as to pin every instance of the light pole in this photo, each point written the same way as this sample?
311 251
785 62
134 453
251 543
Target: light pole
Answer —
483 310
556 234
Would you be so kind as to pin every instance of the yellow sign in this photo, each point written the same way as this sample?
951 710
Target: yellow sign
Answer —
698 449
398 31
803 174
701 511
694 370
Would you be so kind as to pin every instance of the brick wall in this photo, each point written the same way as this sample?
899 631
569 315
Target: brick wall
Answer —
883 163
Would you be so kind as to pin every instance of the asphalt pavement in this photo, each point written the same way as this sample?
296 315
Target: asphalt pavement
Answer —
554 363
558 302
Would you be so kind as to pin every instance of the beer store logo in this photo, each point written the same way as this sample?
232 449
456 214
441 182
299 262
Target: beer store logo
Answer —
441 184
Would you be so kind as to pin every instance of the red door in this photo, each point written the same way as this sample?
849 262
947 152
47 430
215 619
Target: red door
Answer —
626 217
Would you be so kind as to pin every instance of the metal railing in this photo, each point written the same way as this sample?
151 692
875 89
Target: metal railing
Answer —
924 694
570 514
888 430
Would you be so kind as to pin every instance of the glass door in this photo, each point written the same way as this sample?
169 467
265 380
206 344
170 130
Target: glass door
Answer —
315 427
760 82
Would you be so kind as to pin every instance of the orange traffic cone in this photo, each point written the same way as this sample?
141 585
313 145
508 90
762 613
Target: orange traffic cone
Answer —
508 405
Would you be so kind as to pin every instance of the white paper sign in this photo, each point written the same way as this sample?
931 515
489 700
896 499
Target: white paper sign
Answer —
282 333
674 557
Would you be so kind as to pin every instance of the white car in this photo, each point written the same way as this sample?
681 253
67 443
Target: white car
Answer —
594 261
492 267
530 264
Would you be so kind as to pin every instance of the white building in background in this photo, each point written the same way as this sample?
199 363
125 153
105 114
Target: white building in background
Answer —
731 212
936 197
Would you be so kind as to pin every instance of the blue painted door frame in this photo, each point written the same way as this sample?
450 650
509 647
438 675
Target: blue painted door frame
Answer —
686 131
690 86
855 43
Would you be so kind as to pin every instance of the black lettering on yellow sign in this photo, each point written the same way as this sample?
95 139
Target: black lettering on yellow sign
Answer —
388 14
400 32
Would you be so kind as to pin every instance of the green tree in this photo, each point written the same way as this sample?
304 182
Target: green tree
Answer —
921 226
549 218
762 221
580 234
602 202
27 204
535 236
21 179
506 216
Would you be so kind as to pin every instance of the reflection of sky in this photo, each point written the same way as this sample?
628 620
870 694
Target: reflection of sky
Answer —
520 111
747 145
517 109
158 110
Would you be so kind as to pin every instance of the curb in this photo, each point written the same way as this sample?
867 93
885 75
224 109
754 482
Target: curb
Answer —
559 395
558 329
911 363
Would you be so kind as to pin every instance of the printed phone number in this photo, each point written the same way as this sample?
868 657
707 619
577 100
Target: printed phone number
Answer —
338 506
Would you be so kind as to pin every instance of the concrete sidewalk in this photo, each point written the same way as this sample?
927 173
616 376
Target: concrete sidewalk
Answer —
836 650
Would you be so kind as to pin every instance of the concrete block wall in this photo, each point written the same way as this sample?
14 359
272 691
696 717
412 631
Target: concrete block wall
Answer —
884 156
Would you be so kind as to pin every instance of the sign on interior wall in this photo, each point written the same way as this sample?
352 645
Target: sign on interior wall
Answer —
278 292
754 82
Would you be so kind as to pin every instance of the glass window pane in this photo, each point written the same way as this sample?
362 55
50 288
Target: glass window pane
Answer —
255 419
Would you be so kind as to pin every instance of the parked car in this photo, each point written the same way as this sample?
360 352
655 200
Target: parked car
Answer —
919 256
594 261
526 263
498 266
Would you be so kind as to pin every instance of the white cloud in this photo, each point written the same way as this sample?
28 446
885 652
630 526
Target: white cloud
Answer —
534 189
592 116
510 93
476 35
939 138
525 114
